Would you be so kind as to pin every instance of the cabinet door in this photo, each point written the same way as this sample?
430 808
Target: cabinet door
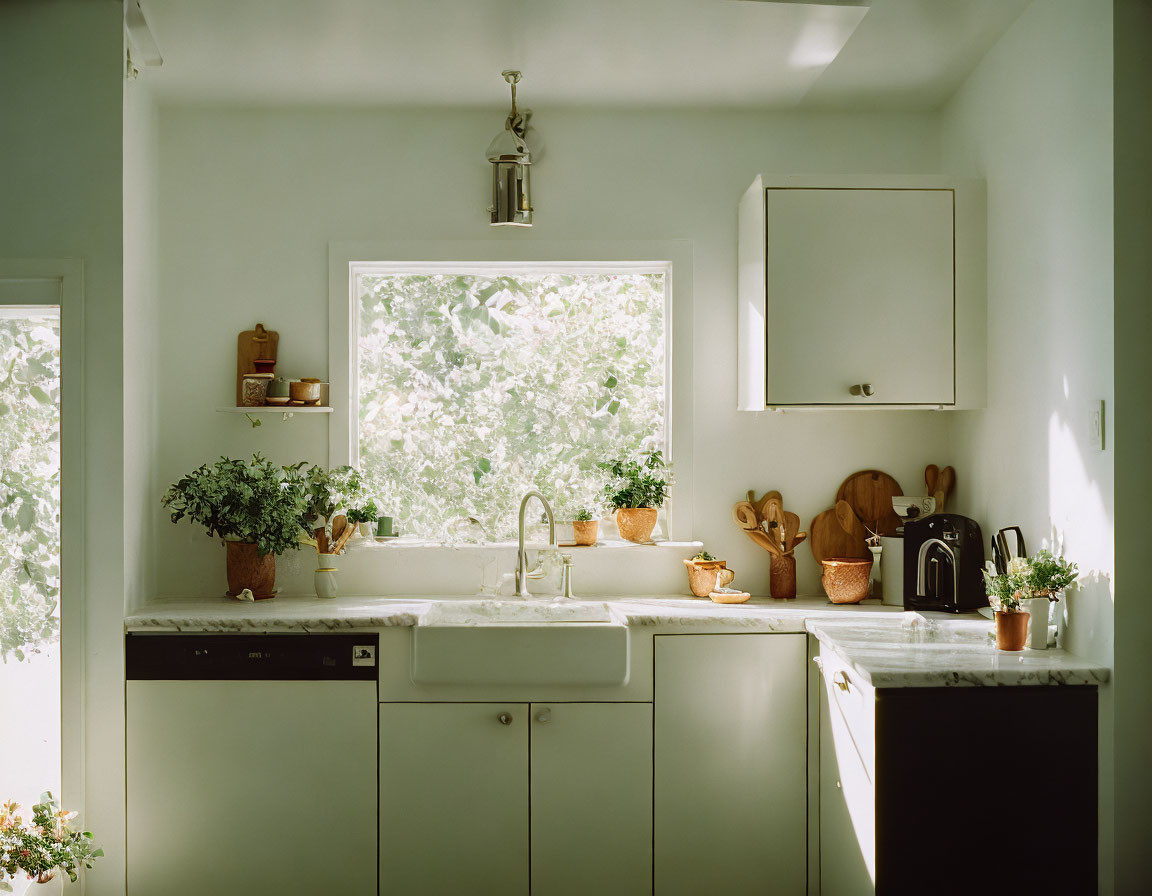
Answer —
847 803
237 787
591 799
730 764
860 289
453 798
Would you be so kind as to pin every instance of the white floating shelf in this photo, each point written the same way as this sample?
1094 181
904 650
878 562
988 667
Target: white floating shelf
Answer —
272 409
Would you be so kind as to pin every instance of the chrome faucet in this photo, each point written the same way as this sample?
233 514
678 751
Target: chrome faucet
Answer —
523 574
951 555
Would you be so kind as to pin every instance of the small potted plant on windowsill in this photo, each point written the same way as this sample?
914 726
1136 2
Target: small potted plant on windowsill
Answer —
635 491
585 527
254 507
45 848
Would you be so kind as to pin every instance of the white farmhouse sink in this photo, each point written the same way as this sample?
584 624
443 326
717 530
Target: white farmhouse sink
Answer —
513 642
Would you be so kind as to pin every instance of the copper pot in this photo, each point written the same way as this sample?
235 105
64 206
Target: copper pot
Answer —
845 581
248 569
704 575
1011 630
636 523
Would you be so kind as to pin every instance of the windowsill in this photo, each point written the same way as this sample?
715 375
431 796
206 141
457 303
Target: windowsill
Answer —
604 544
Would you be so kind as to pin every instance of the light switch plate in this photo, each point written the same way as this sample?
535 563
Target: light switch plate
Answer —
1096 422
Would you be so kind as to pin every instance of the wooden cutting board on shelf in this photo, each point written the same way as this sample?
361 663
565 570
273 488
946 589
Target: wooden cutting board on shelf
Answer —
828 539
870 494
250 345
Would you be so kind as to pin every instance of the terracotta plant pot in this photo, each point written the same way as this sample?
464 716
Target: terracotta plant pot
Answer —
636 523
1011 630
703 576
247 569
585 531
782 576
846 581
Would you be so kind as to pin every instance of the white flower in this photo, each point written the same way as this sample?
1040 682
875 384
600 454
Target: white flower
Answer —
1018 566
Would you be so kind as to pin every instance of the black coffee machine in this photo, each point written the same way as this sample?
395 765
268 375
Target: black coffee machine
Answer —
943 564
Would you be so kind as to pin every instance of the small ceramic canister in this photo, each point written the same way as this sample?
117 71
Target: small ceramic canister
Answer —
254 389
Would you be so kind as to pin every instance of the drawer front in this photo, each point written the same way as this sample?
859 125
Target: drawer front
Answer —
854 702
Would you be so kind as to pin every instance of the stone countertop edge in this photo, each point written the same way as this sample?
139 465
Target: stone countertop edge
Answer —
877 642
957 653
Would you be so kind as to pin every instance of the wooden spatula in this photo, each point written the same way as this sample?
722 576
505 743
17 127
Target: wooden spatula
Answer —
944 485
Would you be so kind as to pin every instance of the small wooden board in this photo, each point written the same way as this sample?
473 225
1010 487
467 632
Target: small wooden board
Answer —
252 344
870 494
828 539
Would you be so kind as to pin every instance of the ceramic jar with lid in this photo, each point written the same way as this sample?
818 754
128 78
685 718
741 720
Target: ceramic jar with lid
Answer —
254 389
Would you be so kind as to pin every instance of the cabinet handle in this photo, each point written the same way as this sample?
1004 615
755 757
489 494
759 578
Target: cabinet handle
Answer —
545 715
841 680
865 389
505 718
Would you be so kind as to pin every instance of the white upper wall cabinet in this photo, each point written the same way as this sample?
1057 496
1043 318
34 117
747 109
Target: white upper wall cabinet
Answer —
862 291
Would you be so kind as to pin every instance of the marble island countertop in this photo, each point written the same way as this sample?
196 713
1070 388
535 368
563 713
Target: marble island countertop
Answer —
886 646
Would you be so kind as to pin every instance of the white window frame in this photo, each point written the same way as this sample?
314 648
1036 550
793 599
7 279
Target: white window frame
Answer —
673 258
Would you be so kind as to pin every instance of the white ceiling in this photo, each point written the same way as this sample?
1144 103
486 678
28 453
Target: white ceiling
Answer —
899 54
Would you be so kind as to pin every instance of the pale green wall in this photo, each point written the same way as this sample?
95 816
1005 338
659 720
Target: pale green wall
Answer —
60 196
1034 119
1133 157
142 338
249 200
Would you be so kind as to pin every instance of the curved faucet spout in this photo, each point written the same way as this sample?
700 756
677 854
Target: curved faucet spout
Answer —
522 572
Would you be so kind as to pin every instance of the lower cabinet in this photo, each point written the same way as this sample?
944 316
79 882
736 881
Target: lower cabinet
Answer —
512 798
915 792
730 760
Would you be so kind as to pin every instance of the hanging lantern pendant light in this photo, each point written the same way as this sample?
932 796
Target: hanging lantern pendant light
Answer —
511 159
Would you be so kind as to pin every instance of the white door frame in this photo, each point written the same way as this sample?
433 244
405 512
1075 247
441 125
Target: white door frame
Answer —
69 274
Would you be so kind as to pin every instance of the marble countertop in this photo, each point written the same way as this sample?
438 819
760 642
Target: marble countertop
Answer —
919 652
885 646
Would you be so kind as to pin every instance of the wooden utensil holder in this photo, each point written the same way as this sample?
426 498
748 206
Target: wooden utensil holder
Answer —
782 576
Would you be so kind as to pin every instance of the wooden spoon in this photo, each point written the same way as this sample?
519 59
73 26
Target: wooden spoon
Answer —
944 485
745 515
931 475
791 528
850 523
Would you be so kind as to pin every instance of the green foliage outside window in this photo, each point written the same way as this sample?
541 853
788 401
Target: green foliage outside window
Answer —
29 484
474 388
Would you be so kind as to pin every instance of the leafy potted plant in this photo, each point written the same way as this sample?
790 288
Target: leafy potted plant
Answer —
47 846
1006 593
364 517
1046 577
335 504
255 507
635 490
585 527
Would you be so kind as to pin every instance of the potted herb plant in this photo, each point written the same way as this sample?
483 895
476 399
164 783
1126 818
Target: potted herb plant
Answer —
47 846
1006 593
364 517
585 527
635 490
255 507
1047 576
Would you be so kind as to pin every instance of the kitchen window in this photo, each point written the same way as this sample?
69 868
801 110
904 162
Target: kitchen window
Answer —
473 382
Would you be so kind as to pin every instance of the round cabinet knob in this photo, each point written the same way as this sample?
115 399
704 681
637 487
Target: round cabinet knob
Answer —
865 389
545 715
505 718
